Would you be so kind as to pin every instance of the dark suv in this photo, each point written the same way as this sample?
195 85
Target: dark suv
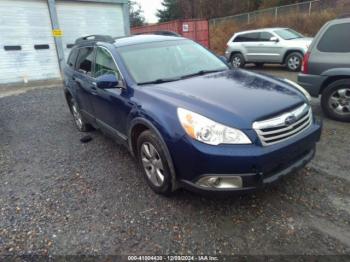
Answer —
189 120
326 69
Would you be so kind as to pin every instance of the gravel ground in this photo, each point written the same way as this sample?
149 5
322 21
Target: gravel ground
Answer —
61 197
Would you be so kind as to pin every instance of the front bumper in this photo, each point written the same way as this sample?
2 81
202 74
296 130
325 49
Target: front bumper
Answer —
255 164
252 182
311 83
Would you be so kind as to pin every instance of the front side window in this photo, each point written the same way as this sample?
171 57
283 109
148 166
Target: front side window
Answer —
250 37
288 34
168 59
85 60
105 63
265 36
336 39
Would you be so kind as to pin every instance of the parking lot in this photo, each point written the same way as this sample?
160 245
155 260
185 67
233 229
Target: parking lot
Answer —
62 197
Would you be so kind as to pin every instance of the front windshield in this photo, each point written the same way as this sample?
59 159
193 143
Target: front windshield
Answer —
288 34
168 60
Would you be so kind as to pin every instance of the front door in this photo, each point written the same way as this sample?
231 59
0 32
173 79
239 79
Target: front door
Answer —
269 51
110 105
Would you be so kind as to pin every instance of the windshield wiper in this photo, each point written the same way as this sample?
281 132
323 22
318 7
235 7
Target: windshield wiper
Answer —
202 72
160 81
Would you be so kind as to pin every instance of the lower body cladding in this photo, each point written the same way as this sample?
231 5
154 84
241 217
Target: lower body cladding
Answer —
312 83
239 168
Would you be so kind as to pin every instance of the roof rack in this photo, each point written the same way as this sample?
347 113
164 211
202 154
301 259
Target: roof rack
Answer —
95 38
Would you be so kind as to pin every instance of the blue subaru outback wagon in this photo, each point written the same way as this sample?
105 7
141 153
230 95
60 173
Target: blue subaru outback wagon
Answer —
188 118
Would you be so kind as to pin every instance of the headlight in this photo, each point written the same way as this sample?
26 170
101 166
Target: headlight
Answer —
207 131
300 88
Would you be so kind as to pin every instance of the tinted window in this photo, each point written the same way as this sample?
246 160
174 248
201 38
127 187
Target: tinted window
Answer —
336 39
85 60
105 63
72 57
265 36
251 37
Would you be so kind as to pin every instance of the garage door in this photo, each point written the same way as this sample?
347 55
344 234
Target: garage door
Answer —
27 48
79 19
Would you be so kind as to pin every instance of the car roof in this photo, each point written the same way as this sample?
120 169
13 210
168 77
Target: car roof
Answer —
142 39
340 20
261 29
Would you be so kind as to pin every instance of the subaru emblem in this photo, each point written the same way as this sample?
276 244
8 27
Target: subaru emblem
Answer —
290 120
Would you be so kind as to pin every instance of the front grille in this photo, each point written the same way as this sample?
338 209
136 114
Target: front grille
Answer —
285 126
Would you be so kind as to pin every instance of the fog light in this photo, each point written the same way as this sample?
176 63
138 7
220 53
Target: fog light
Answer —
226 182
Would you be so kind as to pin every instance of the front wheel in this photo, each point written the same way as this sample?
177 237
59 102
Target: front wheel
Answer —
79 121
294 61
335 100
237 61
152 159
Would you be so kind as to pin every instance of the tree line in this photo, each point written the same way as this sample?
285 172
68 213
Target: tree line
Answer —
206 9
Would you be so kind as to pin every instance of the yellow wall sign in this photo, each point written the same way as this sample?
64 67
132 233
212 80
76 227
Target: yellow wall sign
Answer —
57 33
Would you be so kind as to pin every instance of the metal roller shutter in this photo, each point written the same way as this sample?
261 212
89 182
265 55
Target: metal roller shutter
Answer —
79 19
25 24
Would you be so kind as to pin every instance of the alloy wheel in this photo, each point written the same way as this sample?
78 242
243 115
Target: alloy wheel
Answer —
236 62
339 101
77 116
152 164
294 62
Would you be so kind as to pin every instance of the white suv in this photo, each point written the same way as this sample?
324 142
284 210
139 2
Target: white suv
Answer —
268 45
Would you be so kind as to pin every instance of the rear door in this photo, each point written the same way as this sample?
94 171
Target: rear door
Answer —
250 43
84 81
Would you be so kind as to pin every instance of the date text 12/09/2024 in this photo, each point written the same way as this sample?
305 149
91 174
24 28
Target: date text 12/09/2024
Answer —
173 258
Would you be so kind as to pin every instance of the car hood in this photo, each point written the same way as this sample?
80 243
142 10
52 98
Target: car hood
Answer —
304 40
234 97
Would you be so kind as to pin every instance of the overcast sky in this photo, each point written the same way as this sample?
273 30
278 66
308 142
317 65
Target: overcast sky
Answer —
149 8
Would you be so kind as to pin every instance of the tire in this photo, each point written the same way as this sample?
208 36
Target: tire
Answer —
237 60
294 61
260 65
79 121
335 100
154 163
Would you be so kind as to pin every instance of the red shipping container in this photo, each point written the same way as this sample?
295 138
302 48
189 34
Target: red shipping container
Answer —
195 29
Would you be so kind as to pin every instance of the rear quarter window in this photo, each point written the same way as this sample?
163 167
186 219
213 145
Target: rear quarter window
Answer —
72 57
336 39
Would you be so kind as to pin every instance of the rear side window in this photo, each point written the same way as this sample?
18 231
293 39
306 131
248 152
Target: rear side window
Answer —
85 60
250 37
336 39
72 57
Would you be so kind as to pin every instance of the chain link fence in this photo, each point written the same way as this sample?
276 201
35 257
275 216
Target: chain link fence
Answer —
306 18
306 8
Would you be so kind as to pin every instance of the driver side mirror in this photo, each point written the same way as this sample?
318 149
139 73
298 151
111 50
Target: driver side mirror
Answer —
108 81
274 39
